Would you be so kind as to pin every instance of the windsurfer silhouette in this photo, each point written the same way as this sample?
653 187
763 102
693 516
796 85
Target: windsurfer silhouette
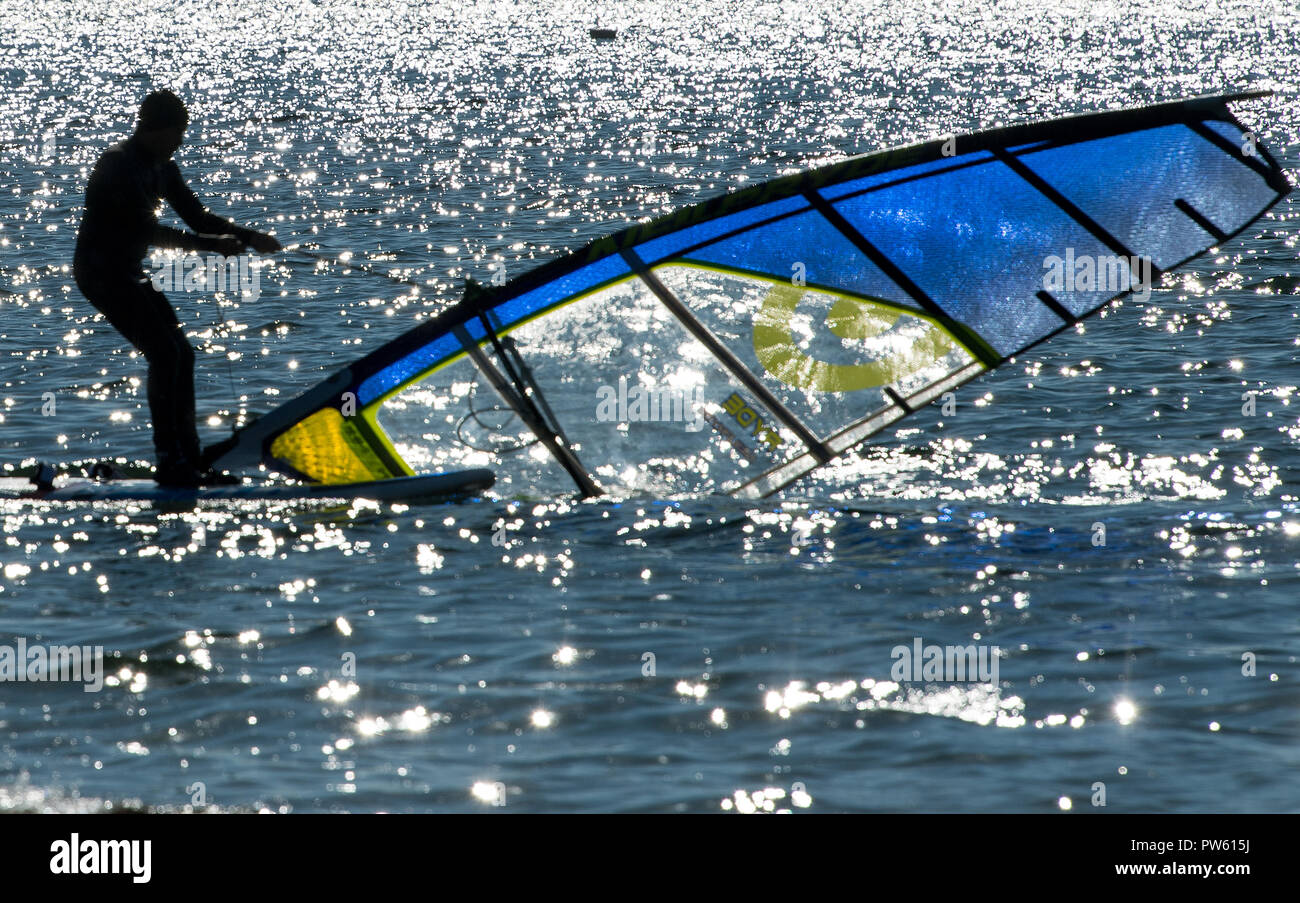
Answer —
119 225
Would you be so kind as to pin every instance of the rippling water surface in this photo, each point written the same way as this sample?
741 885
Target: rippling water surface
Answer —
1103 510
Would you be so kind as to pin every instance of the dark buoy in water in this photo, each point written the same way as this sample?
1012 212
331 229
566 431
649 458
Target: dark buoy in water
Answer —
102 471
604 34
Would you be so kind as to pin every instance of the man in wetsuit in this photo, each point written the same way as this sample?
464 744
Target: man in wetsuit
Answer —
120 224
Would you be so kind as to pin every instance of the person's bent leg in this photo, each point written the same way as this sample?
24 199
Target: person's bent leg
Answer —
171 390
171 403
144 317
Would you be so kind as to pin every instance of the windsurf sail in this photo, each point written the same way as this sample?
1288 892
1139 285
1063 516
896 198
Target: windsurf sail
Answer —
740 343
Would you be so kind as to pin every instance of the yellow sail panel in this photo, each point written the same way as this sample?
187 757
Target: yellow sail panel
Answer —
330 448
778 347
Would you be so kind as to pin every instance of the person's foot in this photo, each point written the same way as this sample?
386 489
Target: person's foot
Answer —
218 478
177 473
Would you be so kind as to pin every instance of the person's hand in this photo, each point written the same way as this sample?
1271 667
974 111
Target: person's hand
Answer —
264 244
228 246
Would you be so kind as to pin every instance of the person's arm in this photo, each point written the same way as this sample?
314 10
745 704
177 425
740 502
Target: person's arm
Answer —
169 237
114 196
211 228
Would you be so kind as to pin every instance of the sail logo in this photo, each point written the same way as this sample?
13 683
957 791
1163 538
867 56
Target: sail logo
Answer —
214 273
650 404
852 320
1112 273
751 421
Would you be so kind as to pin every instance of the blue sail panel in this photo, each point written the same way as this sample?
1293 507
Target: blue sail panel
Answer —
1130 184
905 174
975 240
803 249
673 244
